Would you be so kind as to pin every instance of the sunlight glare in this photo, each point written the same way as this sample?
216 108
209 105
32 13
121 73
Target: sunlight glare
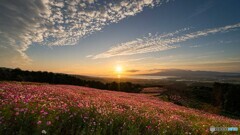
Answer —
119 69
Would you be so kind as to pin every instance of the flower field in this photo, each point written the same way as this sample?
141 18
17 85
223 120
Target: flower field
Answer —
65 109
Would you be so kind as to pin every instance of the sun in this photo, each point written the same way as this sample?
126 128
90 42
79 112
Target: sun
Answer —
119 69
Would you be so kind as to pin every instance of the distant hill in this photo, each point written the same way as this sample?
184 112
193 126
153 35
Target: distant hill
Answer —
190 73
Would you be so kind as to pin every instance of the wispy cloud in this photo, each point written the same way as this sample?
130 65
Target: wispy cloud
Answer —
132 71
89 56
194 46
154 43
130 60
59 22
202 8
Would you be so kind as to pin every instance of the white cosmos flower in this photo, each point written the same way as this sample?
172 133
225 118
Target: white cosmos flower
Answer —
44 132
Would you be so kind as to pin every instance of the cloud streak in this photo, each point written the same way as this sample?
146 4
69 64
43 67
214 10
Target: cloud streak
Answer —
58 22
155 43
133 71
130 60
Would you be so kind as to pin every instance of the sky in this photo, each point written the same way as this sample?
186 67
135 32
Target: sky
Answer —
93 37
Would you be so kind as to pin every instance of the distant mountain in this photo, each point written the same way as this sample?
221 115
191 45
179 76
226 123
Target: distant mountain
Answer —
190 73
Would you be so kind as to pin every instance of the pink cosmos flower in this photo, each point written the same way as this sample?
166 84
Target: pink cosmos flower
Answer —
17 113
39 122
49 123
148 127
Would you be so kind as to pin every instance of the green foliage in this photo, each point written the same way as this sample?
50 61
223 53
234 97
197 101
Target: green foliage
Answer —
227 96
220 98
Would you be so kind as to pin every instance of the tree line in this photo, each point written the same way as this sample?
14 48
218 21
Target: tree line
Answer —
224 96
227 96
7 74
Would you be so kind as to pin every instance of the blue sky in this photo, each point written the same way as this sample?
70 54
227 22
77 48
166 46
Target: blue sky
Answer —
140 36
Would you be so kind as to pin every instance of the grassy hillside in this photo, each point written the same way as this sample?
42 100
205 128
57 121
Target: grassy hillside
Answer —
28 108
